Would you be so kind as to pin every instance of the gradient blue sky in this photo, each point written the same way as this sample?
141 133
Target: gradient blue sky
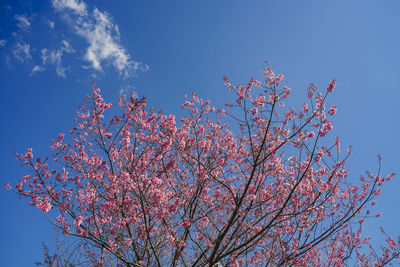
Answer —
51 51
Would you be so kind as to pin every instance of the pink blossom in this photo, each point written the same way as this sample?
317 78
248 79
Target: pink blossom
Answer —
78 220
8 186
332 110
391 243
332 85
28 154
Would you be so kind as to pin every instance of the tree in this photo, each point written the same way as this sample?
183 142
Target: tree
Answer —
257 184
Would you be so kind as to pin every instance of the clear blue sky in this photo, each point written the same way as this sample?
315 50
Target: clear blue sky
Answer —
50 51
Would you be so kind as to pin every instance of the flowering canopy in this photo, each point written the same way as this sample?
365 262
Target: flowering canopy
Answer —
142 189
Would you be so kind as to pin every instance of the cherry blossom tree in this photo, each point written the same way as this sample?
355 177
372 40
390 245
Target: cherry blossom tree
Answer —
256 184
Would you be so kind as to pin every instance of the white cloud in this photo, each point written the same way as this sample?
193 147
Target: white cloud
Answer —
128 90
67 47
51 24
36 69
76 6
22 22
22 51
2 43
55 57
102 36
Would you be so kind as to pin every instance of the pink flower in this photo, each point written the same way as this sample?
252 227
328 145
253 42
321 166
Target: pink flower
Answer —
279 78
28 154
332 85
8 186
305 108
259 101
332 110
254 111
391 243
78 220
186 223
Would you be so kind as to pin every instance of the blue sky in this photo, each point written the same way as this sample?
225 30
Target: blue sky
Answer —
51 51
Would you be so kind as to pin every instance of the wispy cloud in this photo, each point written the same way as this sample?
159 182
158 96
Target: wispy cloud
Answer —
128 90
76 6
36 69
22 51
102 36
22 22
55 57
2 43
51 24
